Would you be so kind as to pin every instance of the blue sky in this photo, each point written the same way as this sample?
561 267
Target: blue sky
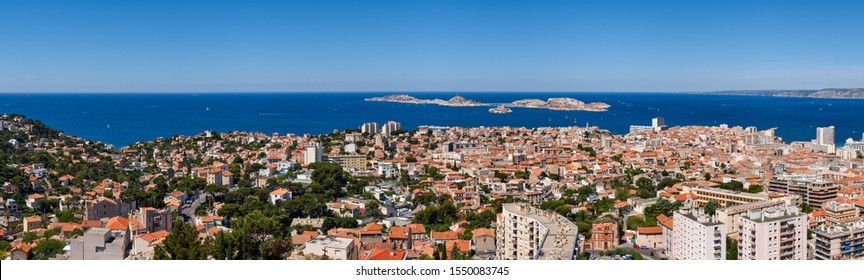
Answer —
224 46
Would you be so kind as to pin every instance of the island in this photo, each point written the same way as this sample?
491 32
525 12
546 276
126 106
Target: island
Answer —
559 104
456 101
500 110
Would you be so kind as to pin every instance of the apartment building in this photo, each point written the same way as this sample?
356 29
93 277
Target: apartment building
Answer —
814 190
837 213
725 198
698 236
777 233
355 162
840 242
604 236
731 215
528 233
153 219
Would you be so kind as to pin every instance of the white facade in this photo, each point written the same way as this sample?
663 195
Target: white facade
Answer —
371 128
698 236
335 248
528 233
389 127
312 153
778 233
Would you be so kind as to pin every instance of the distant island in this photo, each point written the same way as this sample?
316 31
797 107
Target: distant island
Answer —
849 93
456 101
561 104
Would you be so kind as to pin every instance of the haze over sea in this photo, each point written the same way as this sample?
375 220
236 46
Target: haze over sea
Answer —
123 119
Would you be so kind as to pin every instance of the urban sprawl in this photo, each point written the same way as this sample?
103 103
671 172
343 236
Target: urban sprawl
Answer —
432 193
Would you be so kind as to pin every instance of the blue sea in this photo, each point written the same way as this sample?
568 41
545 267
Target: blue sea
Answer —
123 119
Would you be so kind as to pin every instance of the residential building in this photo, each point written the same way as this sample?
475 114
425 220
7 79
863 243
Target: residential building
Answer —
354 162
280 194
100 244
844 241
483 240
814 190
604 236
777 233
698 236
725 198
312 153
390 127
32 222
370 128
731 215
668 225
650 237
153 219
837 213
334 248
528 233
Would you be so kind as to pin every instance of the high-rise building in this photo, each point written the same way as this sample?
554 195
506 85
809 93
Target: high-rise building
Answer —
312 153
824 141
778 233
658 122
825 135
390 127
697 236
528 233
370 128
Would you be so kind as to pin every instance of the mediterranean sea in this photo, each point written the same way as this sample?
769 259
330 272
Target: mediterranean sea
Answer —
123 119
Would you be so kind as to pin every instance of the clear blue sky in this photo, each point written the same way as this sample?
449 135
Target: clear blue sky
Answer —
216 46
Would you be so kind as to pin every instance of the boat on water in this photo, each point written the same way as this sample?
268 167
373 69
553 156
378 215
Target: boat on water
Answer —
500 110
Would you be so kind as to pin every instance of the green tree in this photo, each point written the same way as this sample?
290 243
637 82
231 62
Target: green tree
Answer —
711 207
181 244
47 249
253 237
731 249
806 208
634 222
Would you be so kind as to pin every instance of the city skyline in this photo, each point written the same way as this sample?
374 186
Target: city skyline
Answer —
584 46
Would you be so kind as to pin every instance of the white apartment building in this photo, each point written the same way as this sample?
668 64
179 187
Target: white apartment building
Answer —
528 233
777 233
389 127
731 215
312 153
370 128
698 236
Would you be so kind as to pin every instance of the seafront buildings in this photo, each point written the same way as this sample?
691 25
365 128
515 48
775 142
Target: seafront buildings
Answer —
528 233
778 233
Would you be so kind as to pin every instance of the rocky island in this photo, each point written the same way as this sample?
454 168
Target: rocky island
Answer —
456 101
500 110
562 104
